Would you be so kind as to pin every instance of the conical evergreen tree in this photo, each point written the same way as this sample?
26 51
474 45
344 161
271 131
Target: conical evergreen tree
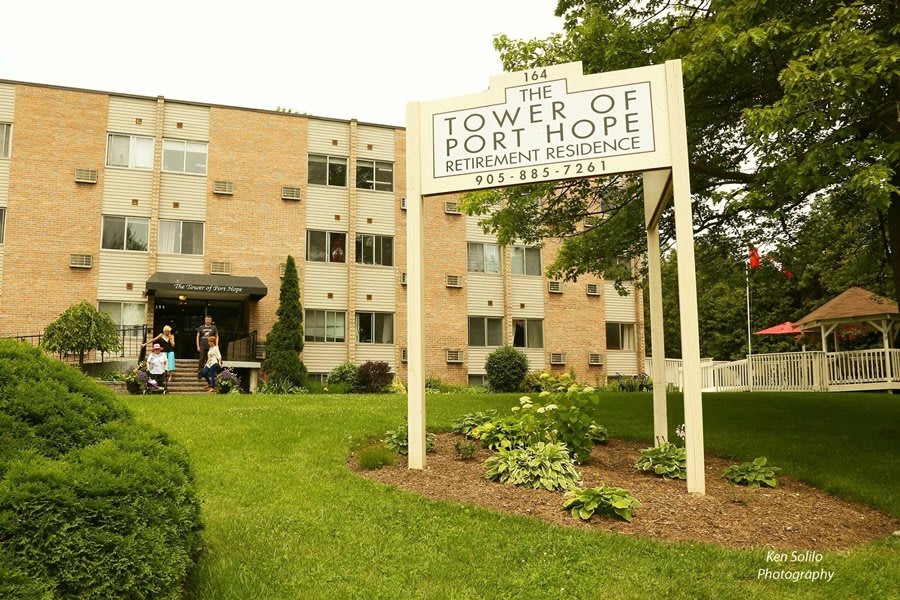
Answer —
285 341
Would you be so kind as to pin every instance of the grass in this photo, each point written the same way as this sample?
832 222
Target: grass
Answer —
286 519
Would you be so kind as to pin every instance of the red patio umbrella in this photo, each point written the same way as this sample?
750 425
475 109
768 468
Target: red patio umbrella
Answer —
786 328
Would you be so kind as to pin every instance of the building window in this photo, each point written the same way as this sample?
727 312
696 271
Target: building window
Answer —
326 246
374 328
478 381
375 175
180 237
528 333
327 170
485 331
484 258
526 261
5 134
126 233
2 224
181 156
127 315
325 326
132 151
620 336
375 250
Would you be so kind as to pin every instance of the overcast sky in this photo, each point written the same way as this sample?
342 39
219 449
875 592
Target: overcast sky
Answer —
336 58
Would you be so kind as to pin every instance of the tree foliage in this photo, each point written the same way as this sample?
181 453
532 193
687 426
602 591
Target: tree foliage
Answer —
285 341
80 329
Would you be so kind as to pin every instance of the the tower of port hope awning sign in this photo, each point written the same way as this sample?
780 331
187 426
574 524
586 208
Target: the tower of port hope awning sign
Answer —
555 123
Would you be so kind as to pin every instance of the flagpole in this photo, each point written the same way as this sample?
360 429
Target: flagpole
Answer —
749 338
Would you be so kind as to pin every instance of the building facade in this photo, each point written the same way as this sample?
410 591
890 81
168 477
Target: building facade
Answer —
162 211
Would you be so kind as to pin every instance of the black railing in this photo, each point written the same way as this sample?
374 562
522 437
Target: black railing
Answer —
238 344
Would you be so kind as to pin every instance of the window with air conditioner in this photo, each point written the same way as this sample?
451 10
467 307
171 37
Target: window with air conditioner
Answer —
125 233
595 359
451 208
620 336
485 331
404 355
374 328
327 170
220 267
129 151
326 246
483 258
526 261
223 187
557 358
454 356
453 281
81 261
528 333
325 326
593 289
289 192
403 278
374 249
375 175
555 287
5 135
182 156
180 237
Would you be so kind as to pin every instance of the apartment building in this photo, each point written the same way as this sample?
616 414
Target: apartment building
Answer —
162 212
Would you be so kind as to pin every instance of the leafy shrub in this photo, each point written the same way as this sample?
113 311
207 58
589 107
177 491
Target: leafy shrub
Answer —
92 503
753 474
227 382
506 368
510 432
640 383
469 421
597 433
572 409
79 329
376 456
666 460
398 440
280 387
608 500
345 372
542 465
373 377
465 450
532 382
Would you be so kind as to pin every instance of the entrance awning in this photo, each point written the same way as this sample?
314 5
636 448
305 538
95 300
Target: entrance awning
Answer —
198 285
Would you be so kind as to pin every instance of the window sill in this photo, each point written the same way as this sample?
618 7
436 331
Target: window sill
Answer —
183 173
116 250
123 168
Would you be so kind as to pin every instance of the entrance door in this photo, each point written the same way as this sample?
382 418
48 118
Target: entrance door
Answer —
186 316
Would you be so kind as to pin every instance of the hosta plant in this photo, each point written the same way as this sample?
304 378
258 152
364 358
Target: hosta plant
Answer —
542 465
598 433
469 421
398 440
604 500
666 460
753 474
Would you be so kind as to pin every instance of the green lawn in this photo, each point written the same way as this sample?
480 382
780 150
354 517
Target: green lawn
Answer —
286 519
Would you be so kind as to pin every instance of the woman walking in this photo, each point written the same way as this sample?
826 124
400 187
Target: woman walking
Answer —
166 340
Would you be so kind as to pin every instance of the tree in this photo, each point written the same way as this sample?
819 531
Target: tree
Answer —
81 328
786 103
285 341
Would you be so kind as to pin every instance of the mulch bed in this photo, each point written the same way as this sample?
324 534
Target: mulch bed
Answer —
792 516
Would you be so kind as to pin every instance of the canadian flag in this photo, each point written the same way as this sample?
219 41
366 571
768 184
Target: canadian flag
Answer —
754 258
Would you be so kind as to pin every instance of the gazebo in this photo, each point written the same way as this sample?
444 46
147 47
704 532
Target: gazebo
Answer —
855 305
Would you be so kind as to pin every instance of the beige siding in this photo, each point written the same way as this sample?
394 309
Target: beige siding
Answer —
321 279
474 232
179 263
482 288
376 352
322 137
621 362
380 138
619 309
527 290
379 282
188 191
323 205
535 358
7 103
121 186
321 357
377 206
125 112
4 181
476 358
117 269
194 122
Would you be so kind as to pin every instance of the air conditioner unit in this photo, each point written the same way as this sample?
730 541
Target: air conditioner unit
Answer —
593 289
281 270
454 281
402 278
289 192
86 175
225 188
402 203
554 287
452 208
219 267
81 261
591 221
454 356
404 355
557 358
595 359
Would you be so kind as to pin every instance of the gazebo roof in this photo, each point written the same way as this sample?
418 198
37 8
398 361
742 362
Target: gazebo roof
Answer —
854 304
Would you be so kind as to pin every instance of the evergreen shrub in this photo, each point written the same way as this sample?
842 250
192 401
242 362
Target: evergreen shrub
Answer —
346 373
506 368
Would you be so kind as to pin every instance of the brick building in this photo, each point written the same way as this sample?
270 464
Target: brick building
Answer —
163 211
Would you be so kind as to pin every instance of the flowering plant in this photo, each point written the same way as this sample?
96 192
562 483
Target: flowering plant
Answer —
138 378
227 382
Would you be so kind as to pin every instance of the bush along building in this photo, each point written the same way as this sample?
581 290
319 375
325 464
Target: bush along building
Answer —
163 211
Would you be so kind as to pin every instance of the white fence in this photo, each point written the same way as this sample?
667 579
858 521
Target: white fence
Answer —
796 372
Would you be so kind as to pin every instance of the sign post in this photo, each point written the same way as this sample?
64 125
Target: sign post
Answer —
549 124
